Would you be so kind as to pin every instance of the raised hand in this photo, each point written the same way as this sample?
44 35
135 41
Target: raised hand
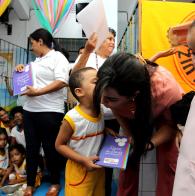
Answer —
91 43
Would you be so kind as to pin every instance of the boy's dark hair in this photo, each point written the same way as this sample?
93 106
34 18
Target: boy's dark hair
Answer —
17 109
3 131
19 147
76 79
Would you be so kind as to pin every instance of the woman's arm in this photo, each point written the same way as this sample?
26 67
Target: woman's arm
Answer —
54 86
166 130
63 137
89 47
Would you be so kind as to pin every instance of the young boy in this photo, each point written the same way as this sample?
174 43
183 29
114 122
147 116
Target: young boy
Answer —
17 132
80 137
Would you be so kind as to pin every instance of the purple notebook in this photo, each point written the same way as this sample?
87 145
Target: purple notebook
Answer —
22 79
114 152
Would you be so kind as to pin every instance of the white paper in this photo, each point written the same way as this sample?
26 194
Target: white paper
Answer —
185 172
93 19
187 147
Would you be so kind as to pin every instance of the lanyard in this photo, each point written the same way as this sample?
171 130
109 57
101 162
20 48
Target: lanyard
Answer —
96 59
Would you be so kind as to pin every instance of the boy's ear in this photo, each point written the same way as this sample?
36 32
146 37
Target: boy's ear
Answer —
79 92
41 41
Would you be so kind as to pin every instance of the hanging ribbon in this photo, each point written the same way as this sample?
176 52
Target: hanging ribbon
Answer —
3 5
51 13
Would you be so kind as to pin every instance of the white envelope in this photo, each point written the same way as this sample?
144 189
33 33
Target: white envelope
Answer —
93 19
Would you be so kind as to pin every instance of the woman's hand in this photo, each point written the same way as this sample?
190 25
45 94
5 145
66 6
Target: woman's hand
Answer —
178 138
89 163
91 43
31 91
19 67
150 146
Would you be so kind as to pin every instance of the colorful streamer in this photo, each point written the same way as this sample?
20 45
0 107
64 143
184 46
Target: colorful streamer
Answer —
51 13
3 5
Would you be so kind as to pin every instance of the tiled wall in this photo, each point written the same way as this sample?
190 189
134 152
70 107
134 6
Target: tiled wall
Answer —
148 172
147 178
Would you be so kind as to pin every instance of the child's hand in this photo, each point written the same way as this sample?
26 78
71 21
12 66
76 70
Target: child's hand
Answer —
2 172
168 52
13 181
89 163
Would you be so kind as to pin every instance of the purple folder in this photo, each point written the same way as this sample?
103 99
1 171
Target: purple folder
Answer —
22 79
114 152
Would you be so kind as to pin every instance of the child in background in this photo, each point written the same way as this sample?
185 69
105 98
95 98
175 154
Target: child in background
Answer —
17 132
17 170
6 122
4 157
18 164
80 137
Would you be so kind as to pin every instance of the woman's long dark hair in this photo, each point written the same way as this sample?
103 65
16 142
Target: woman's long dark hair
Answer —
127 75
47 38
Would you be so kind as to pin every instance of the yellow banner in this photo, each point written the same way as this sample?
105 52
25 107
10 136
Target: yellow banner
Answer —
3 5
156 19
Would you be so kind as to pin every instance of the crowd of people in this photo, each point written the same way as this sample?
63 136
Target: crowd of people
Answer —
136 93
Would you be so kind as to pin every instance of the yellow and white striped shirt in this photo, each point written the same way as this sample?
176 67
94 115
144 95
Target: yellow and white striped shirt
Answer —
88 131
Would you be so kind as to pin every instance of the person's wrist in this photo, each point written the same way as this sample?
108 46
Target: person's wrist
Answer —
150 145
83 161
87 51
38 92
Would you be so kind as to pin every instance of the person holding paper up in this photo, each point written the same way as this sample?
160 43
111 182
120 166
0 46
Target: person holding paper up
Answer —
80 137
44 107
89 58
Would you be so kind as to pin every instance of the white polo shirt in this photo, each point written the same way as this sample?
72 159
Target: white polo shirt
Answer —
92 61
19 136
53 66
